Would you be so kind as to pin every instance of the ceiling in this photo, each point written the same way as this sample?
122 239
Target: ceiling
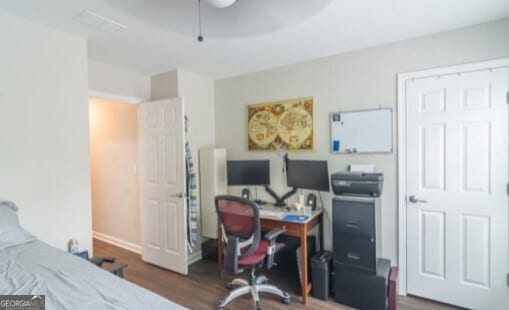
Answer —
252 34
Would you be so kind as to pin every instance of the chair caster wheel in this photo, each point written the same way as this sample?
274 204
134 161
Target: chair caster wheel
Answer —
286 299
229 285
262 280
258 307
219 307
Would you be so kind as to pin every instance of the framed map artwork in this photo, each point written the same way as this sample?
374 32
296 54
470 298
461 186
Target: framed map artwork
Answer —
287 124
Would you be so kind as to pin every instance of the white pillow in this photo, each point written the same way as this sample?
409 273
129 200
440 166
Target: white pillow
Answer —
11 233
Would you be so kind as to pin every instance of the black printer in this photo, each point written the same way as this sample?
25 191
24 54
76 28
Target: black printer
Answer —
357 183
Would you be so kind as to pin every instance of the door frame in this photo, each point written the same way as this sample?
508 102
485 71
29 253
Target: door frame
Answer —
401 155
114 97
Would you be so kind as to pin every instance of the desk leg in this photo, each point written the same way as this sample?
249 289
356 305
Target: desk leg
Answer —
219 254
304 259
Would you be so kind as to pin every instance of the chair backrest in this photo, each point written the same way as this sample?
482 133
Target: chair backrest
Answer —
240 220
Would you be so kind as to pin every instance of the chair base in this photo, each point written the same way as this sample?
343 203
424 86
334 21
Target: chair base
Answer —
255 286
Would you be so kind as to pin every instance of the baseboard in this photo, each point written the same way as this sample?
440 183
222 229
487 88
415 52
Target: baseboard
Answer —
194 257
133 247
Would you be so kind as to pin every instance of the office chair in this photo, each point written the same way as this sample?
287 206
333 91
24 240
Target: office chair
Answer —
239 221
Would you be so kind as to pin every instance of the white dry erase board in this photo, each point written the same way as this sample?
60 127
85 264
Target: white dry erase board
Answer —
364 131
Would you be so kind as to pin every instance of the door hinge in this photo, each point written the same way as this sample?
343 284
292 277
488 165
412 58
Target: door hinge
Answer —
507 279
507 189
507 97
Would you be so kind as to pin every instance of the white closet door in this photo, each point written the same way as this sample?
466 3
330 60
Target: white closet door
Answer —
457 173
162 184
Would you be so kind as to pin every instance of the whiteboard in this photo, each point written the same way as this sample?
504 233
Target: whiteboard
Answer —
364 131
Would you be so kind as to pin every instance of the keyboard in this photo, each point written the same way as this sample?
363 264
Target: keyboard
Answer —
272 213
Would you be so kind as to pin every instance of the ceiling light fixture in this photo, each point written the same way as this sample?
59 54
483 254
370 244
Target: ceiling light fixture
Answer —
221 4
200 37
218 4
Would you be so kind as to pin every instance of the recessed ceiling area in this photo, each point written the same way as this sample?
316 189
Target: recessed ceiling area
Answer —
251 35
243 19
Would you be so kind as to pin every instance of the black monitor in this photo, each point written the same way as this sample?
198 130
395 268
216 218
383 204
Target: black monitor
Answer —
308 174
248 172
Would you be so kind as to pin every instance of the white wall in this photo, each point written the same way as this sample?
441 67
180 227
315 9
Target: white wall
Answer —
197 92
114 80
114 160
44 150
357 80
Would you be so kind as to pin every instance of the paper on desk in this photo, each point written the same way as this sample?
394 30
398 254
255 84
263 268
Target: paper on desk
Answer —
362 168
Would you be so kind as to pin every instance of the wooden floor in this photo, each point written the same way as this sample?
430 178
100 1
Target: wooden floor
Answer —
202 288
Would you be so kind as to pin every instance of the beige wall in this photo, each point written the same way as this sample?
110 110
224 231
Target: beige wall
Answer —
114 159
197 92
357 80
164 85
44 150
110 79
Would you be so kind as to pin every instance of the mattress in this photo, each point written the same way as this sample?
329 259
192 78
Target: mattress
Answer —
70 282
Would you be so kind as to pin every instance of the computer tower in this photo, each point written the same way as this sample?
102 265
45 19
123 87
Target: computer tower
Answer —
362 290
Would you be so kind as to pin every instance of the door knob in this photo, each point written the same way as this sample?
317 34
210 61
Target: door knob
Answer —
414 199
178 195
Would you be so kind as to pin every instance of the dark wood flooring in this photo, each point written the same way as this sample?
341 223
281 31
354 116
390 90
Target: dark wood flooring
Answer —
202 288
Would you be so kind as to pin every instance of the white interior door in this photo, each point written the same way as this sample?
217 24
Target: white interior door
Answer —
162 184
457 173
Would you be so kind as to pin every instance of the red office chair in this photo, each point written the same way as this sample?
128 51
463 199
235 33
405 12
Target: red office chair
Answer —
243 248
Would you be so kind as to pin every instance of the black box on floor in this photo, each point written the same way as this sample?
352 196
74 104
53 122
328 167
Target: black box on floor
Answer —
360 290
321 265
286 258
209 250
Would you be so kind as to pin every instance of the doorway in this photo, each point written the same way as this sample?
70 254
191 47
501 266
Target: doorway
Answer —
114 173
453 176
138 179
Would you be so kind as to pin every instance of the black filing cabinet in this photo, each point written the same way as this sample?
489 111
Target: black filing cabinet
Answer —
356 226
361 277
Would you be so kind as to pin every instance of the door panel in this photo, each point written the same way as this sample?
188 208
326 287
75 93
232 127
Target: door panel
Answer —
457 171
170 156
475 250
475 157
153 221
432 157
162 184
432 247
171 233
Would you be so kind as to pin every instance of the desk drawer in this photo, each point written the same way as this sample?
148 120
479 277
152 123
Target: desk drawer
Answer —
292 229
353 217
355 251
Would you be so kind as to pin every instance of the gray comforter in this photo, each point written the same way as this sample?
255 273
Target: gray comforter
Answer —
70 282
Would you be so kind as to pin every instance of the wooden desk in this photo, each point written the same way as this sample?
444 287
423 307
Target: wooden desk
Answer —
295 229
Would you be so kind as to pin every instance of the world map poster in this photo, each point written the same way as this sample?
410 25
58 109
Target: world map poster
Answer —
287 124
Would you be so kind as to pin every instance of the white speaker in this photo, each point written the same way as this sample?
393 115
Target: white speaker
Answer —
212 183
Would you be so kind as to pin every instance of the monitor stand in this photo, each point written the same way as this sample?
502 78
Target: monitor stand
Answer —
280 201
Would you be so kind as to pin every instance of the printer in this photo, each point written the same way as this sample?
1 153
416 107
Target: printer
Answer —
357 183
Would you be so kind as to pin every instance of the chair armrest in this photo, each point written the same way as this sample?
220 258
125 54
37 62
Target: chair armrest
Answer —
271 250
273 234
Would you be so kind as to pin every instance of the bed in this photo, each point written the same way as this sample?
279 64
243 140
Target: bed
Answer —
31 267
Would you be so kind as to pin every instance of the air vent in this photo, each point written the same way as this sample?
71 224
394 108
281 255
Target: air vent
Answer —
99 22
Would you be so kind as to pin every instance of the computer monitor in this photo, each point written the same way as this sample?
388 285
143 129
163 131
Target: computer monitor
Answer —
308 174
248 172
